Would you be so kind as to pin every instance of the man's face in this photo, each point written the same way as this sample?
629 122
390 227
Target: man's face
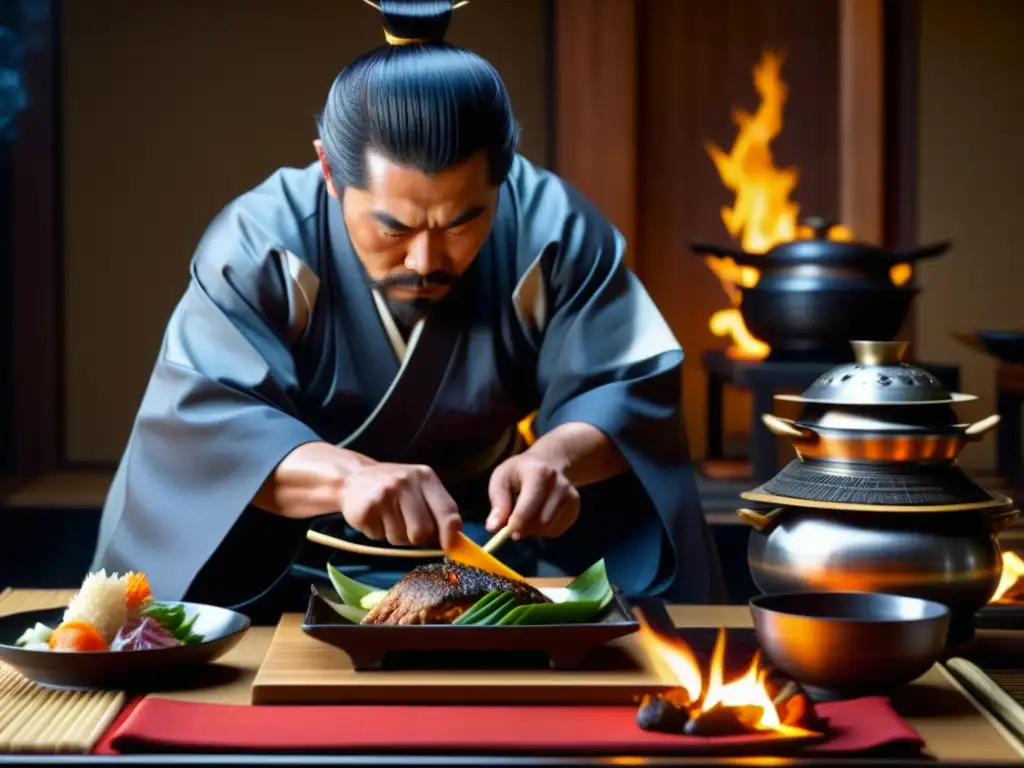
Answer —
414 233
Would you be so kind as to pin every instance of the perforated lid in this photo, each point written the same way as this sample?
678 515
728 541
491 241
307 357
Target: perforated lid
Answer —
878 376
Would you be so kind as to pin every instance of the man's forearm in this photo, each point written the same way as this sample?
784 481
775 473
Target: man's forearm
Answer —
583 453
308 481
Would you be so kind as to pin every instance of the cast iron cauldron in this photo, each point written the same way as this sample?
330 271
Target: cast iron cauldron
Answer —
817 323
817 263
952 558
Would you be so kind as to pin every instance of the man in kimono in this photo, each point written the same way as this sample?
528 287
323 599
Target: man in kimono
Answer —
359 339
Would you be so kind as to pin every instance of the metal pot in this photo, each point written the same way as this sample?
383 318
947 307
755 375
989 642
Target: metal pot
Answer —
817 323
952 558
874 441
818 262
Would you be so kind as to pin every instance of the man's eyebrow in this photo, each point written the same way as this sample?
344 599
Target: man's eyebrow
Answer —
466 216
390 221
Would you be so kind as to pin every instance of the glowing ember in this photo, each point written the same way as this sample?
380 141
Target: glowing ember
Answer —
763 214
714 706
1011 583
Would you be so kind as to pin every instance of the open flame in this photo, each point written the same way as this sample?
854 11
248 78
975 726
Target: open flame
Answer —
763 214
675 664
1011 583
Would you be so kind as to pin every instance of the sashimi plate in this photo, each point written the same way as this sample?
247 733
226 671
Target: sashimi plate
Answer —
586 614
220 629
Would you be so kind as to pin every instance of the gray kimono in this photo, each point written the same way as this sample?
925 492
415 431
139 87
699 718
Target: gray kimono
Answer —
279 341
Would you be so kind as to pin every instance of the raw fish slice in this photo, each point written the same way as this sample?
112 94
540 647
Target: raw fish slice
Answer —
147 635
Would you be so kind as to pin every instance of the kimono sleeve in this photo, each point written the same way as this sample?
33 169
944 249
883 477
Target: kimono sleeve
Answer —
218 414
606 357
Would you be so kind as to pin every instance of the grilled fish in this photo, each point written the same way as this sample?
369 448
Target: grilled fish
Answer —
438 593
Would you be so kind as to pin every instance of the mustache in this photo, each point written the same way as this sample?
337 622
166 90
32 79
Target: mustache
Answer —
413 280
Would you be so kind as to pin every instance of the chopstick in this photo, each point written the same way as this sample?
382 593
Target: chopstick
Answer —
494 543
364 549
497 540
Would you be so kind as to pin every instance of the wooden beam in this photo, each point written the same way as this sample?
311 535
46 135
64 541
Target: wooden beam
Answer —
595 110
901 24
861 116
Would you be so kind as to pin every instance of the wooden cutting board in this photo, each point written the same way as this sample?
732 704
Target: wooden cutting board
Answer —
299 669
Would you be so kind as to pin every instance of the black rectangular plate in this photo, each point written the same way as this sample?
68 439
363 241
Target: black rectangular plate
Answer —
564 645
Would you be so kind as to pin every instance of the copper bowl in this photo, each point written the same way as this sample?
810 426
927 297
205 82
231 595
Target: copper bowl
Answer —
885 443
841 645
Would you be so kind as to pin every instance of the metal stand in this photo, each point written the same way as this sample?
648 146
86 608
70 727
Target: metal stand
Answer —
763 378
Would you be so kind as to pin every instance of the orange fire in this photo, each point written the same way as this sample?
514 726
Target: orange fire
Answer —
674 663
1011 583
763 213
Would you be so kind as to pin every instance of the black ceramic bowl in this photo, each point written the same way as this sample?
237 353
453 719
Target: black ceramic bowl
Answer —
840 645
818 324
120 670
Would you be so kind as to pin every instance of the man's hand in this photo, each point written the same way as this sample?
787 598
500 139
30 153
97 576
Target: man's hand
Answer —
533 496
403 503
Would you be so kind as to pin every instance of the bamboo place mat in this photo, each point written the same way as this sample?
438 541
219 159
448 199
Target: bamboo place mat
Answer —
1000 690
42 720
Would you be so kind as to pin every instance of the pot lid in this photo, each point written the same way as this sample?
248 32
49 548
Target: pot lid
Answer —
820 248
895 487
878 376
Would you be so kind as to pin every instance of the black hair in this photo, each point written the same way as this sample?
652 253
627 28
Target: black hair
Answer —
425 104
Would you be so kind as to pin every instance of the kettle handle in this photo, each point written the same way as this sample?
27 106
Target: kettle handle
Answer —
977 430
1000 521
762 522
740 257
909 255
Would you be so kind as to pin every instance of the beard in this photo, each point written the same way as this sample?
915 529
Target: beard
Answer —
408 312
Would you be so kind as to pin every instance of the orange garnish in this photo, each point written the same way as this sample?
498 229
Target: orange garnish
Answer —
137 592
77 636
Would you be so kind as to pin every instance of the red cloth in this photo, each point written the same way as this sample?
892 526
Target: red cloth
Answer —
161 725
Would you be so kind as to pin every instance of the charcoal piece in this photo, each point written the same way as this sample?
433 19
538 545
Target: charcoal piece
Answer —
662 714
724 721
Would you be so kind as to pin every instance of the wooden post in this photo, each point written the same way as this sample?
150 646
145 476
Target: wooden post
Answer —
595 110
861 115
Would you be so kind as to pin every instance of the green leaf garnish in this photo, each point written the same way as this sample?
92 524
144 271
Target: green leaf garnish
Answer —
350 613
175 620
574 612
477 608
591 586
350 591
497 608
